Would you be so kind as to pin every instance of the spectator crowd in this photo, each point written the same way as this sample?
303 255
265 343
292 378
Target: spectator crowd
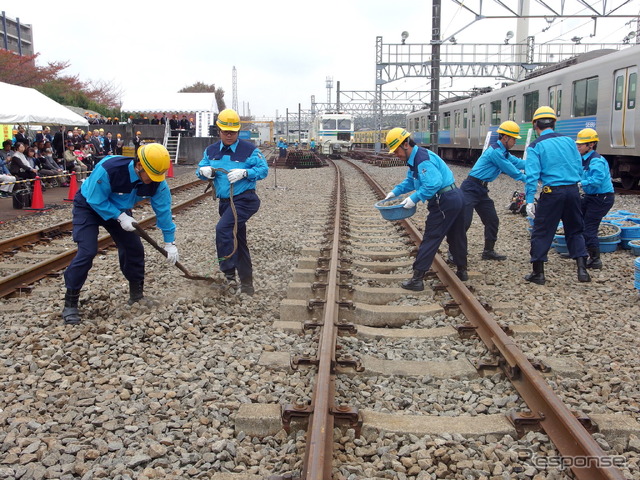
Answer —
53 156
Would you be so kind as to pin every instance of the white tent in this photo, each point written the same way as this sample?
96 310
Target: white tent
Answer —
171 102
26 105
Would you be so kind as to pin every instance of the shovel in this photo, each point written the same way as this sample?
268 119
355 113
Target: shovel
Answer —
140 231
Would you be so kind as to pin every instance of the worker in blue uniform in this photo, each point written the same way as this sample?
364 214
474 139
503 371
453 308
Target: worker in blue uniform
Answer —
105 199
434 183
554 161
598 195
494 160
282 148
312 145
235 166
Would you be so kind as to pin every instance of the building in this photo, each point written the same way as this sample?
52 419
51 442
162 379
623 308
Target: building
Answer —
16 37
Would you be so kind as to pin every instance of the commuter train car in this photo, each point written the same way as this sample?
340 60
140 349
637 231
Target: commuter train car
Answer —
595 90
333 132
368 138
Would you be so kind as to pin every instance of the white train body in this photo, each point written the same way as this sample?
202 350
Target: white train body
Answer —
333 132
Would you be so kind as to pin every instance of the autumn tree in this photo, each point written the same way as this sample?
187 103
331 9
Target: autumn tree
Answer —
101 96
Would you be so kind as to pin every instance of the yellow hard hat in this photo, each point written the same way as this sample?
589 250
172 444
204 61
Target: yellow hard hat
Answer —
587 135
544 112
228 119
395 137
155 160
118 135
138 133
510 128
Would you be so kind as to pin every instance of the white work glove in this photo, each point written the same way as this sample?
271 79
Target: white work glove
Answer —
206 172
531 210
408 203
172 253
126 222
236 174
389 195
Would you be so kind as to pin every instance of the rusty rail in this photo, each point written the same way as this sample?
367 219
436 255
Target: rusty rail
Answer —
42 269
46 233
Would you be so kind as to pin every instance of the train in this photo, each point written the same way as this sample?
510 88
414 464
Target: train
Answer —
333 132
598 89
369 138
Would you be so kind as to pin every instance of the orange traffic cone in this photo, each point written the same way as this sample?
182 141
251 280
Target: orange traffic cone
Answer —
170 171
37 201
73 188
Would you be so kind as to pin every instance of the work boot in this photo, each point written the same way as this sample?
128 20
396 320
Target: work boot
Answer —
450 259
70 312
231 283
490 254
537 276
594 258
462 273
415 283
246 286
583 275
135 291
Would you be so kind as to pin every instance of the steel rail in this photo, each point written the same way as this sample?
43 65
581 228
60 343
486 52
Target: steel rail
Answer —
13 243
42 269
565 431
318 460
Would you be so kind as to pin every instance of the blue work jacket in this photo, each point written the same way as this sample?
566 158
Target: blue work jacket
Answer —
114 186
241 154
427 174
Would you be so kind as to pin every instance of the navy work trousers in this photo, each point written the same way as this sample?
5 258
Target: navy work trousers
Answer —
594 207
445 219
85 233
476 197
562 203
246 204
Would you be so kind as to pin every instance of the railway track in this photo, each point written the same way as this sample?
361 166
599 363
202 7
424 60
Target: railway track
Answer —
344 266
20 268
188 384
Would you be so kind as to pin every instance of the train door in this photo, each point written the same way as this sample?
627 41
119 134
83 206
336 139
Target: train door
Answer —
482 123
625 85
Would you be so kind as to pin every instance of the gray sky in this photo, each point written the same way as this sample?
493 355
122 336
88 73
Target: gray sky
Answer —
283 50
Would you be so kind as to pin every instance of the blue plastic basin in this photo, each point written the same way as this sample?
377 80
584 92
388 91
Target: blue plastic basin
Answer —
394 212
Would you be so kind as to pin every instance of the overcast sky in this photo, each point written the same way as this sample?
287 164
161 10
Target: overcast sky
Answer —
283 50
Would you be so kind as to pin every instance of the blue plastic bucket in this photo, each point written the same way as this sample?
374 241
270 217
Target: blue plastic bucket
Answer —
608 247
394 212
634 245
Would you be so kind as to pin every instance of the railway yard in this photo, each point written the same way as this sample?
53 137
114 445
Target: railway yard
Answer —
198 382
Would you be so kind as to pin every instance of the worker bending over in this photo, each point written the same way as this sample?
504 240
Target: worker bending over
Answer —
105 199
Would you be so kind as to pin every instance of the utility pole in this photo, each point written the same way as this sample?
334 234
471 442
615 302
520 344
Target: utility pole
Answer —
435 76
234 87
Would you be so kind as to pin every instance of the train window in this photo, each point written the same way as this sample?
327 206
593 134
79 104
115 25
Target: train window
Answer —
585 97
496 111
511 108
344 124
559 102
446 121
483 114
532 102
464 118
473 117
619 92
328 124
633 87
